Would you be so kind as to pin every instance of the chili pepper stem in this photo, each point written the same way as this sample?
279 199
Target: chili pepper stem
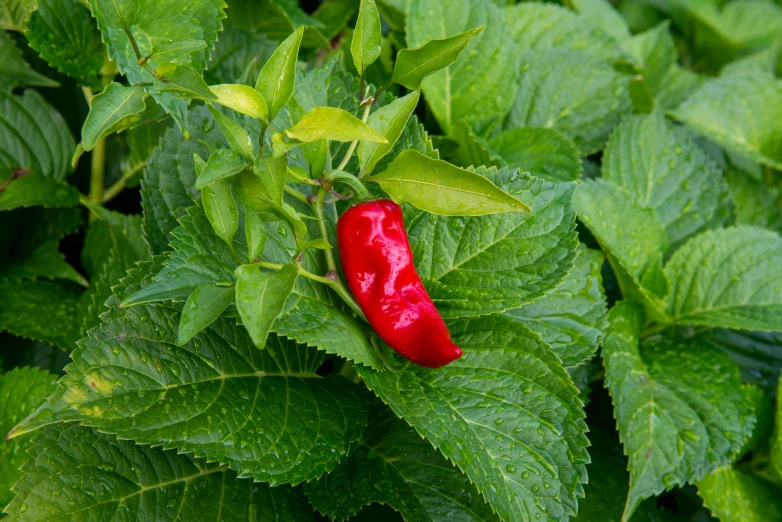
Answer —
296 194
317 207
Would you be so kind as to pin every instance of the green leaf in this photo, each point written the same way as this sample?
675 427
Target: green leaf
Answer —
175 396
547 153
238 138
745 24
572 317
15 13
677 422
14 71
222 164
141 142
331 123
165 52
273 174
39 141
506 413
184 81
754 202
202 308
261 296
33 189
452 92
735 496
365 45
389 121
255 233
109 110
740 111
729 279
662 168
472 150
277 77
221 209
394 465
461 259
413 65
238 56
21 391
635 257
440 188
604 15
64 34
241 98
168 186
119 479
573 92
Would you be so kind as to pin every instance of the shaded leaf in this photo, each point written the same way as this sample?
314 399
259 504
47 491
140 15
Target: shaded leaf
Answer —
736 496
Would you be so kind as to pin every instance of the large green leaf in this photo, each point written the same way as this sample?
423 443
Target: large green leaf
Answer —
21 391
40 310
154 22
479 265
680 407
14 71
736 496
729 278
120 480
740 111
479 86
545 152
663 169
286 423
572 317
506 413
64 34
394 465
34 136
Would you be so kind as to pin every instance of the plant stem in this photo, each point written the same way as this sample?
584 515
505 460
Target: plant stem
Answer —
301 179
296 194
317 207
97 161
119 185
354 144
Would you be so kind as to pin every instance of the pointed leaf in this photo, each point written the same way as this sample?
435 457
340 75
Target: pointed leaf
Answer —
389 121
261 296
241 98
365 46
440 188
333 124
238 138
273 174
202 308
255 233
183 80
167 51
413 65
108 110
222 164
221 209
276 79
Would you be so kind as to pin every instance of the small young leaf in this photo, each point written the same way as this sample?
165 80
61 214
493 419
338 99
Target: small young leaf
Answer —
273 174
254 232
389 121
366 44
164 52
319 243
334 124
280 146
183 80
241 98
223 163
221 209
260 297
108 109
238 138
199 164
413 65
440 188
202 308
276 79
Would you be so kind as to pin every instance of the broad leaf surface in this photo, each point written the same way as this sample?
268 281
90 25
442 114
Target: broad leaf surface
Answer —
662 168
756 353
544 152
729 278
754 202
34 190
572 317
120 480
680 407
740 111
393 465
480 265
736 496
21 391
266 414
506 413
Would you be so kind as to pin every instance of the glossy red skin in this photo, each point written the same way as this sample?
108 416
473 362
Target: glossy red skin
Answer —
379 270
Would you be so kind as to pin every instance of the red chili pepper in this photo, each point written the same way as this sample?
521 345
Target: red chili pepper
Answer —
379 270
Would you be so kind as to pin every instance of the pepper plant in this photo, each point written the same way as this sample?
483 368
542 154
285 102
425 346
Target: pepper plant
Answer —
200 289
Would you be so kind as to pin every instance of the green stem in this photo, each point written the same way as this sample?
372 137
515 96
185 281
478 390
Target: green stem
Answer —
336 176
97 160
292 173
119 185
296 194
354 144
317 207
